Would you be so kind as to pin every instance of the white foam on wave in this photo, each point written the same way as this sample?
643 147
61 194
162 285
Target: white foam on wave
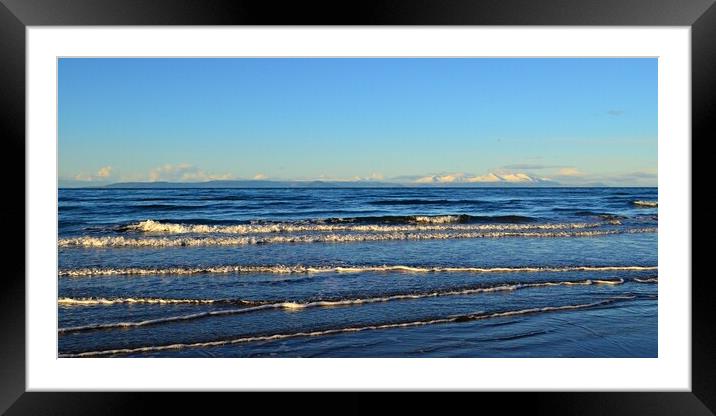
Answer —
301 269
423 223
333 303
646 203
450 319
609 282
122 241
647 280
440 219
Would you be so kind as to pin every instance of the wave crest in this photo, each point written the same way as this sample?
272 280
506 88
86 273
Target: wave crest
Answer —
303 269
122 241
415 223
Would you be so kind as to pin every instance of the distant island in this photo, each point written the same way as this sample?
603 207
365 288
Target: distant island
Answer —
490 180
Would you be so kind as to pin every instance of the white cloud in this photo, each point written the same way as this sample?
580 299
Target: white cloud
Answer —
105 172
184 172
528 166
102 174
260 176
569 171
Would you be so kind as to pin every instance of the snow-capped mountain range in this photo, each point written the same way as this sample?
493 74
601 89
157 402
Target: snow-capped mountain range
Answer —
490 178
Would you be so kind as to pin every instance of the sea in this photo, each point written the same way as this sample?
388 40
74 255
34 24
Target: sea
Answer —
358 272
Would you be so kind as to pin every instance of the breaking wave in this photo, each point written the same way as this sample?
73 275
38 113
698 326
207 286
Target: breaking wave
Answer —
302 269
445 223
429 219
122 241
646 203
391 325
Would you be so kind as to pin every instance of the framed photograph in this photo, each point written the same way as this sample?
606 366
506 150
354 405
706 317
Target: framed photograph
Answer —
463 198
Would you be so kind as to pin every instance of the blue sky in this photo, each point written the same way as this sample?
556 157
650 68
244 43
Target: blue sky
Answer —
575 121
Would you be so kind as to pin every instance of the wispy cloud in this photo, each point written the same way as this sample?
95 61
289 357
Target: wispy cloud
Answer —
184 172
374 176
635 177
260 176
575 177
569 171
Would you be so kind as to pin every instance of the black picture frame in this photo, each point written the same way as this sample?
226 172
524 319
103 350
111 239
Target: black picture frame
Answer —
16 15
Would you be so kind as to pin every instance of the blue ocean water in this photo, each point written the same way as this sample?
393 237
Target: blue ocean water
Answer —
358 272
